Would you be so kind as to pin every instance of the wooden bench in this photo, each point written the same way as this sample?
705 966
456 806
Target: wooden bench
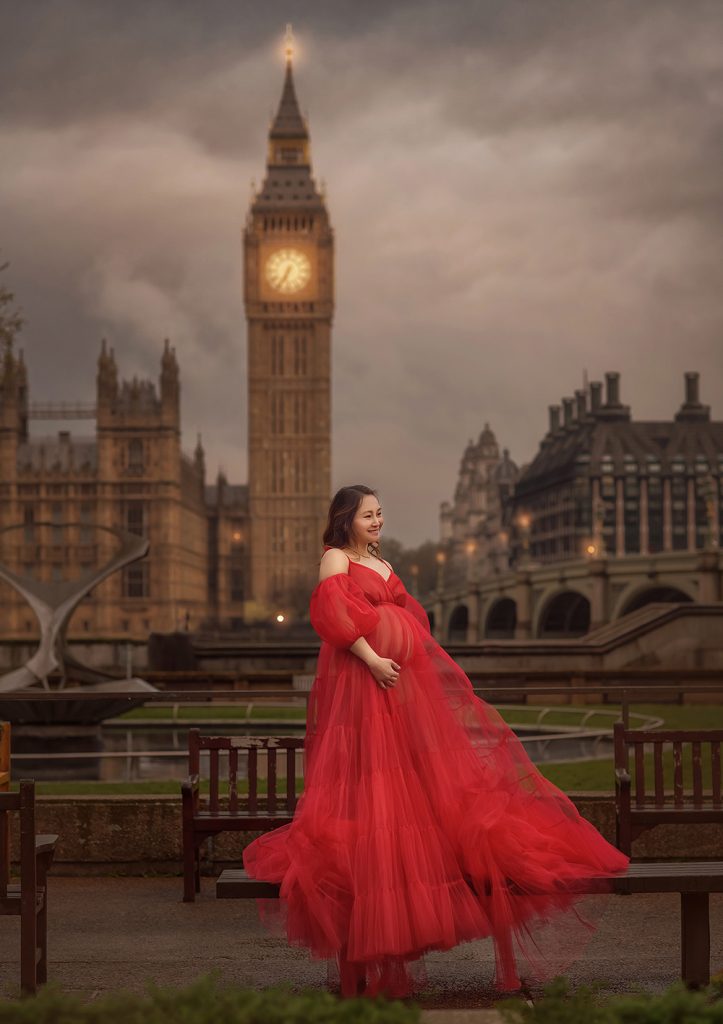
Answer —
639 806
27 898
205 817
694 881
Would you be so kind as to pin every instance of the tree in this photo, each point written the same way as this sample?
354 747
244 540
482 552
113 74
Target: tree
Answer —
11 321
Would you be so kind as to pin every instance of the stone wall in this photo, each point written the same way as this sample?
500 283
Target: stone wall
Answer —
138 835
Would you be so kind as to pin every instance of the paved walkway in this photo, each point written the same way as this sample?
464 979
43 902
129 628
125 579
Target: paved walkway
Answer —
108 933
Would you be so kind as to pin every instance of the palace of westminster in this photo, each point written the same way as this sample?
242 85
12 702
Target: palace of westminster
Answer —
602 485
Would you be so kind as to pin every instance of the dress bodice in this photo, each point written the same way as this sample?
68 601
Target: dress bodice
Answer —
376 589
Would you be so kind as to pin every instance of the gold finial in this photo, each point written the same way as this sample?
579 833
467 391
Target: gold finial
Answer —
289 44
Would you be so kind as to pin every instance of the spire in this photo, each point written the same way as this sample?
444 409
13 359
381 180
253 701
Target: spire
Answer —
288 123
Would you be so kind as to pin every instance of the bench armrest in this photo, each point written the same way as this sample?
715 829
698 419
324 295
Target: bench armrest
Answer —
190 789
45 844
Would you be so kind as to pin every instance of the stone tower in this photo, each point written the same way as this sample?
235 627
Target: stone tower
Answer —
289 298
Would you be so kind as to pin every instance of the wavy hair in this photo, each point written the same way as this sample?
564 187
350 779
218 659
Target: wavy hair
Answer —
343 508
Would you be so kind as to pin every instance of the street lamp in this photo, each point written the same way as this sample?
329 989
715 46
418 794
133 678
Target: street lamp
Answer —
523 522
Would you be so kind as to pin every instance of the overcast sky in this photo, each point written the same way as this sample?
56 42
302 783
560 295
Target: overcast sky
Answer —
519 190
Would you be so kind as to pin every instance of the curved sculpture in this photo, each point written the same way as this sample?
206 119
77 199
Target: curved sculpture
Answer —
53 604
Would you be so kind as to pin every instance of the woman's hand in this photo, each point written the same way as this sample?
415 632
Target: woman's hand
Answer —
385 671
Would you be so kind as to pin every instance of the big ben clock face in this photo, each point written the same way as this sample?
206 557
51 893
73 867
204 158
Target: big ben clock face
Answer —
288 270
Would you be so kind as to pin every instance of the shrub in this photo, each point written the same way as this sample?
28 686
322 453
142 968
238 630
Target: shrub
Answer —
561 1005
206 1001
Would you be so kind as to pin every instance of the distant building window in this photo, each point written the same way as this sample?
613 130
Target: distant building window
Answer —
701 514
135 580
29 524
135 517
86 520
236 585
56 515
277 355
300 354
679 503
277 412
655 516
135 455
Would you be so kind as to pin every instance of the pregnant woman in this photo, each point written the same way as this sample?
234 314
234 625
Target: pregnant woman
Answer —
423 823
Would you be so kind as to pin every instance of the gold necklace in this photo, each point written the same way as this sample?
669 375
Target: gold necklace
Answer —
359 556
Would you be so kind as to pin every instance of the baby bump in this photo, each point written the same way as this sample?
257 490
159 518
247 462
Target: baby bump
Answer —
394 636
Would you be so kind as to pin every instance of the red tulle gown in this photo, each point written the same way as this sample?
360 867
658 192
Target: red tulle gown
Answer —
423 823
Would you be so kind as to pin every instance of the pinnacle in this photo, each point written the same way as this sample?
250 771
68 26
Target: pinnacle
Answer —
288 123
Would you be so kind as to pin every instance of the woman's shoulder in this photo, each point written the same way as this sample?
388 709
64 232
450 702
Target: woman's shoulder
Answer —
333 561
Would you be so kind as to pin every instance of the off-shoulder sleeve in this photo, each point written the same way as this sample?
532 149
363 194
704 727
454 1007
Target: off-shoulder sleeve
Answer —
412 605
340 612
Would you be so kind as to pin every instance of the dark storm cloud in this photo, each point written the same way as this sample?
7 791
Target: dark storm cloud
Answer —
520 190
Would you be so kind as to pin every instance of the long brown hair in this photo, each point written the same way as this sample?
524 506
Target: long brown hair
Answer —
343 508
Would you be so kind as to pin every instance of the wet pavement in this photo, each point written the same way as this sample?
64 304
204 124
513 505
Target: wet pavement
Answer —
108 933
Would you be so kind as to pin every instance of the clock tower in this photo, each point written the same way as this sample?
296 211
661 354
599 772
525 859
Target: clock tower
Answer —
289 299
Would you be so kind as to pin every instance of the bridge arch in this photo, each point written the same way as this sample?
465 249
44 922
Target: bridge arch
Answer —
638 597
565 614
501 619
457 624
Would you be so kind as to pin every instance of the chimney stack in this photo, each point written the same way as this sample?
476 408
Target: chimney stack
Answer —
691 389
581 404
554 418
612 381
567 412
692 408
595 395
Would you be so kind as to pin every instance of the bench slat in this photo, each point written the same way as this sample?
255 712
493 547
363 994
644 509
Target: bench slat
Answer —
696 876
639 774
715 769
678 773
290 779
213 779
697 774
233 780
659 783
252 772
271 779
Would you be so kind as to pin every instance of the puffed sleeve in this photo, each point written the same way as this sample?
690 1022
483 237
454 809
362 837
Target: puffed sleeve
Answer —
340 612
412 605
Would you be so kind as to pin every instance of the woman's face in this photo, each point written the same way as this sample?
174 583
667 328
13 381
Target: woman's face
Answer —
367 523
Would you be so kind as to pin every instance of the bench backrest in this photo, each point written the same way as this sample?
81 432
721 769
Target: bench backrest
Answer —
691 779
22 802
258 750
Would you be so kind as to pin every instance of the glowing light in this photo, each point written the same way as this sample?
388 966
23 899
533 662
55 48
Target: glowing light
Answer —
280 617
236 535
289 46
591 549
441 557
471 547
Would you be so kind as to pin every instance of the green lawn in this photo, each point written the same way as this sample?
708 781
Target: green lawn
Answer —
214 711
675 716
